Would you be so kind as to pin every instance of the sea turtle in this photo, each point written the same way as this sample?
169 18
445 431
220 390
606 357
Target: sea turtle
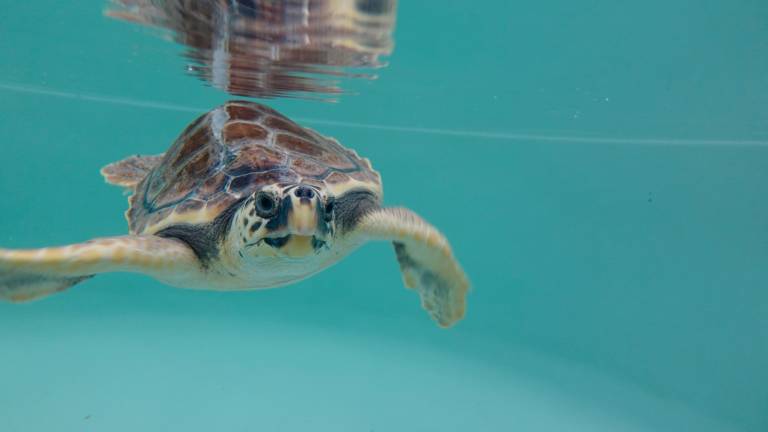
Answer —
244 199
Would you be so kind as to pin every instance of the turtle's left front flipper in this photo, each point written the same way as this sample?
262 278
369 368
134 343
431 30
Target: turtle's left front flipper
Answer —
35 273
425 258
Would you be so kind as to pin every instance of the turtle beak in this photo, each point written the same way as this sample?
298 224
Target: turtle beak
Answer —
300 229
303 219
300 226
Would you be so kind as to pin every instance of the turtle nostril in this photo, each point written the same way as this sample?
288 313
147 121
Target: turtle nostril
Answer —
304 192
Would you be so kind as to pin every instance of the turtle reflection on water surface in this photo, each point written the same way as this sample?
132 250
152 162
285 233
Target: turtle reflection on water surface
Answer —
245 199
273 48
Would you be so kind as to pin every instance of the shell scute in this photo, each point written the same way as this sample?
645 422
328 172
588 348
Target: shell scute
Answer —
192 144
339 161
257 158
308 167
361 176
243 112
285 125
255 181
213 184
242 182
197 166
337 177
238 130
298 145
190 205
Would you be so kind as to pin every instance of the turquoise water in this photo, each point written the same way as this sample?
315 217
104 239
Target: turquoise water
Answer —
600 169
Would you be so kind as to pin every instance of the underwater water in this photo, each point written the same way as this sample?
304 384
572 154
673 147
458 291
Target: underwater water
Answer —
599 167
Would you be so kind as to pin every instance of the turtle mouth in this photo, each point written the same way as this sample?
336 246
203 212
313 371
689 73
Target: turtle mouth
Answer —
277 242
296 244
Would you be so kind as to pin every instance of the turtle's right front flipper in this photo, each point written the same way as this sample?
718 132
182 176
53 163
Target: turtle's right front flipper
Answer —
35 273
426 260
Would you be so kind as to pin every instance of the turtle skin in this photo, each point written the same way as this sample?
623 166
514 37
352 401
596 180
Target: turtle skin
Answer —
230 153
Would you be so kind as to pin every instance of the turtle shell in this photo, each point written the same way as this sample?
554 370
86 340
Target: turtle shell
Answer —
233 151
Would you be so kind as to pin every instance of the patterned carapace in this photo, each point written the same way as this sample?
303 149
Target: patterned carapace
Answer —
232 152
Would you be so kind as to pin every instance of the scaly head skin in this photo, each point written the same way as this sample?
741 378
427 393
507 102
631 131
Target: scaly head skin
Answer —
281 234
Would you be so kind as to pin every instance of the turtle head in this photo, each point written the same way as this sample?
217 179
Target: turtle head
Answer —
292 221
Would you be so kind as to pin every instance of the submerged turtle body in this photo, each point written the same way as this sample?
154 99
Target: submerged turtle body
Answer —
246 199
233 151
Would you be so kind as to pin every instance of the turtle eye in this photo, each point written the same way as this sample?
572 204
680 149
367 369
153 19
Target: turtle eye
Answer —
266 204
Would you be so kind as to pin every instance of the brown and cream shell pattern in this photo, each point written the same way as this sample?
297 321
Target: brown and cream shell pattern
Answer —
233 151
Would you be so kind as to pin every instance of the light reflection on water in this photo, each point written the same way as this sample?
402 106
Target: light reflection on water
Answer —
263 48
